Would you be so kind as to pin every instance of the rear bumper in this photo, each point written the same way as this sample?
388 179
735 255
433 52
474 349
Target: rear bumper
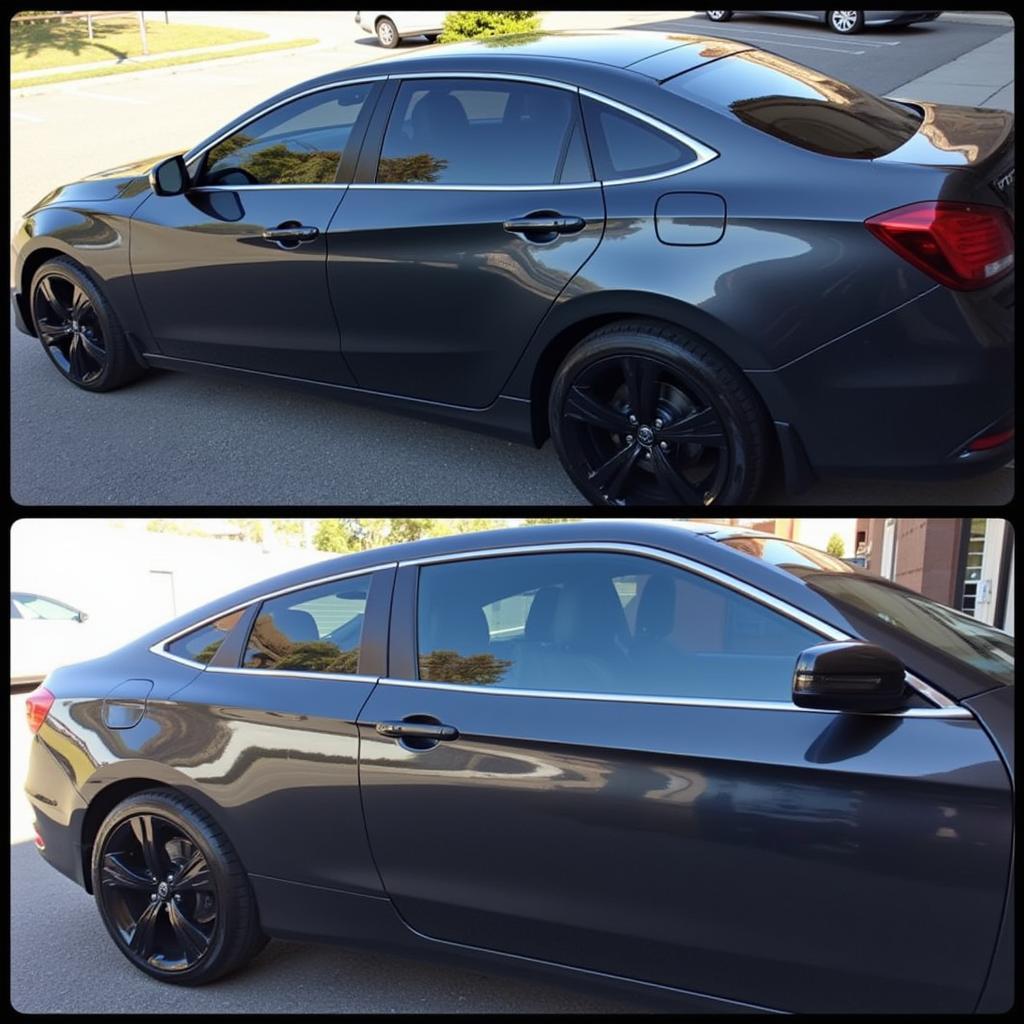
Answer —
906 393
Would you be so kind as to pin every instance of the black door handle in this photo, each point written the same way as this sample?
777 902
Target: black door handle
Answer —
544 227
417 730
291 232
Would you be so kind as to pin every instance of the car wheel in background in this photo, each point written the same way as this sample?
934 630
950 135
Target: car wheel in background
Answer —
432 37
172 892
387 34
846 22
79 329
642 413
718 15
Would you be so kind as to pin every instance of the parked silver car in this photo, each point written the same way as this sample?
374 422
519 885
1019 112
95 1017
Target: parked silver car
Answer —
844 22
391 27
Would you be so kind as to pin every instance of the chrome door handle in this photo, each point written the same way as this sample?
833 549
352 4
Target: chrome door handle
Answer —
291 233
544 226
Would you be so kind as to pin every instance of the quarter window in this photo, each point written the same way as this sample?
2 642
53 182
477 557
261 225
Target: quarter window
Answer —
625 147
313 630
472 132
603 623
300 143
203 643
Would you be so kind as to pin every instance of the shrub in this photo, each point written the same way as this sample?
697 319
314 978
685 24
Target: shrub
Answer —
479 24
836 546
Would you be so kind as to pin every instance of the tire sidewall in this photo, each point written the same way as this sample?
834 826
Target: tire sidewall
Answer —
858 25
386 22
65 270
741 479
154 803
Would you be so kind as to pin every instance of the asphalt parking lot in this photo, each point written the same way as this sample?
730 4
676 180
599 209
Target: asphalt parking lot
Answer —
63 961
176 439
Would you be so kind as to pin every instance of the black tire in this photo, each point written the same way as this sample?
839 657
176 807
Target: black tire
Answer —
387 34
432 37
100 357
846 23
718 15
629 371
214 901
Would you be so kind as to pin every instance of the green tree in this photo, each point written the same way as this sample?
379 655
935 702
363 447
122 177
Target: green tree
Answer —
482 24
835 546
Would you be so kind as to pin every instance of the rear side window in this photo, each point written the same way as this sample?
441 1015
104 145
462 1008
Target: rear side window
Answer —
313 630
203 643
474 132
625 147
802 107
601 623
300 143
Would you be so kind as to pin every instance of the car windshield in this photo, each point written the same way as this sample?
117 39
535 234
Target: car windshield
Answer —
872 601
801 106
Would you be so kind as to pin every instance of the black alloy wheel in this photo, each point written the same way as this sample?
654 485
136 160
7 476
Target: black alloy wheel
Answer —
641 415
69 327
171 891
78 328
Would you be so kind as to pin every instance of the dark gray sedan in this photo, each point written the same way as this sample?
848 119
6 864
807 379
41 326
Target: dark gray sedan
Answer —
702 763
843 22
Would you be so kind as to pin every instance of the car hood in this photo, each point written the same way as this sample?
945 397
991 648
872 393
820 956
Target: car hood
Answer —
108 184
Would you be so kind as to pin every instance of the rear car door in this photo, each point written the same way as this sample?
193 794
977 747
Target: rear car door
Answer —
232 271
591 757
451 247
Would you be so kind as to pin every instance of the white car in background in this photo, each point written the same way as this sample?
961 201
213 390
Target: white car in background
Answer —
391 27
44 634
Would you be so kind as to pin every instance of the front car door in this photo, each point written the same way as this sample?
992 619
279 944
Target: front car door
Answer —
214 285
450 249
629 789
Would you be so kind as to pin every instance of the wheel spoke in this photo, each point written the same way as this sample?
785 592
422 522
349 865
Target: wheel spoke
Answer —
672 481
50 297
611 476
701 427
580 405
194 875
94 351
641 377
80 304
118 875
143 827
76 360
145 930
52 333
193 940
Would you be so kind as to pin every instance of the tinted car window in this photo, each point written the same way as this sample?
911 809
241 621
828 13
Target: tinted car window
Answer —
601 623
472 132
300 143
202 643
625 147
32 606
803 107
313 630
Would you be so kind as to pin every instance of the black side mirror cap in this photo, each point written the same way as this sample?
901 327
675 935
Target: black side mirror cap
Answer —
169 177
849 676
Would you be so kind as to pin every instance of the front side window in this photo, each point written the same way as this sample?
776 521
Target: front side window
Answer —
300 143
625 147
601 623
313 630
32 606
203 643
474 132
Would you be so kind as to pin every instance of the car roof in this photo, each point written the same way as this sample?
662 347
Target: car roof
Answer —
649 53
697 541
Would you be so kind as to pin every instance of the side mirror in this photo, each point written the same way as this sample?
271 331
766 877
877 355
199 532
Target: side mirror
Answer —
849 676
82 616
170 177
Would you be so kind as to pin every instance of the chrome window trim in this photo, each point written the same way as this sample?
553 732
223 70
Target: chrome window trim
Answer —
343 677
191 157
251 188
700 702
158 647
471 188
805 619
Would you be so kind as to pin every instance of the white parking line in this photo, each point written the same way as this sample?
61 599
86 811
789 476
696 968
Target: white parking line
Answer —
105 96
801 35
27 117
798 46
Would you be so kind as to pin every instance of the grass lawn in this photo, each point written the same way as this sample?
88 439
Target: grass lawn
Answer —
36 45
119 69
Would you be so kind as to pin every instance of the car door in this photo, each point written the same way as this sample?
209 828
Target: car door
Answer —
232 271
451 247
592 758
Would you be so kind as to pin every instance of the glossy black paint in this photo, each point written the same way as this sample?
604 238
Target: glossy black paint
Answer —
727 856
428 306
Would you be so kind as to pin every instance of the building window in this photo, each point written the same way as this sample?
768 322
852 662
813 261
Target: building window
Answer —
972 566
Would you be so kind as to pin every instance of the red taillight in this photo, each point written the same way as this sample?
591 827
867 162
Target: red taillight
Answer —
37 704
962 245
40 844
987 441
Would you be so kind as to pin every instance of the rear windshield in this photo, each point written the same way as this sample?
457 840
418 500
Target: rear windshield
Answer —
800 106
